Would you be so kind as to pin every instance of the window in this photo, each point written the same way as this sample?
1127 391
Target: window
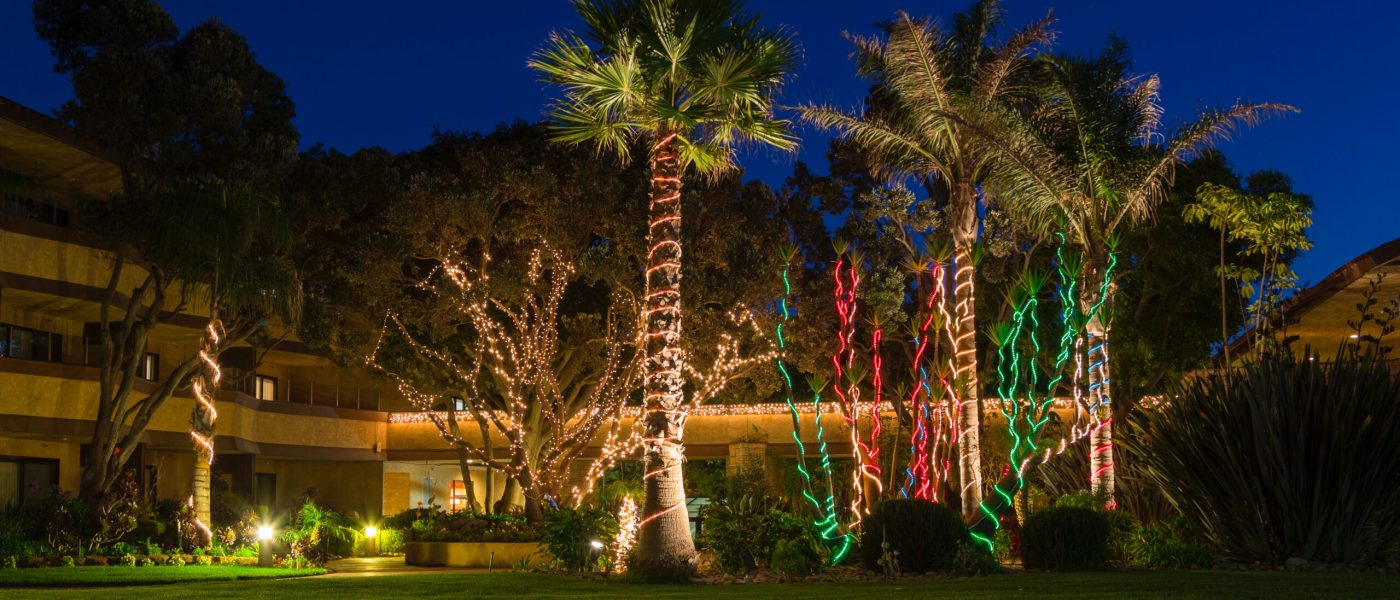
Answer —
31 344
458 403
24 480
265 388
34 210
458 501
150 367
265 491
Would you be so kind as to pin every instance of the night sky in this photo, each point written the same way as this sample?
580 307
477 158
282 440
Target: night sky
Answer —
369 72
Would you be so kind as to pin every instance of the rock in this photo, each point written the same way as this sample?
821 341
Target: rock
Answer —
1296 563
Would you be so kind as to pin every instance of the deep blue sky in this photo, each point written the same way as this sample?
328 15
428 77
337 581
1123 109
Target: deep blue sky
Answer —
369 72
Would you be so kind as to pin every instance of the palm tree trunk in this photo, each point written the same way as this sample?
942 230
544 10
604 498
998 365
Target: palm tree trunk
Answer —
965 372
1224 327
1100 383
664 548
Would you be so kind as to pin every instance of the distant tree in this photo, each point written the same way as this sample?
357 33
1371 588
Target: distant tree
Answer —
690 80
201 131
1270 226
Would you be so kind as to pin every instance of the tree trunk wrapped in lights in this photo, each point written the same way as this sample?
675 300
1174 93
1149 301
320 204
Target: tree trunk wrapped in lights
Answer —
204 385
1098 301
692 80
964 223
1025 402
828 522
932 403
846 386
665 530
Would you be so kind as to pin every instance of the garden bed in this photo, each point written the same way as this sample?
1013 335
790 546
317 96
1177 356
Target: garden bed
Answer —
123 576
501 555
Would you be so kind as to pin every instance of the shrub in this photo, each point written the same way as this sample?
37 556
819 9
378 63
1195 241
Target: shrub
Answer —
569 533
203 559
313 529
128 560
148 548
67 561
1065 539
175 561
430 525
1169 544
748 523
147 562
9 562
926 535
973 559
793 558
14 541
120 548
391 541
1285 457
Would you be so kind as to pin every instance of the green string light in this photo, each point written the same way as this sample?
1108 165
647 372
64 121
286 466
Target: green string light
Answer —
1025 324
827 524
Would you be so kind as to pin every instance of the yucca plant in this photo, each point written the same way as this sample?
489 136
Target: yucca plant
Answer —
1288 456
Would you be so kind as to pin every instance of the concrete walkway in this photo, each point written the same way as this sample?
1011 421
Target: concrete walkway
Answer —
387 565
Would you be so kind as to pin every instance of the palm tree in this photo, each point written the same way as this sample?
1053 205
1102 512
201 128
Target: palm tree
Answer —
928 86
1089 161
688 80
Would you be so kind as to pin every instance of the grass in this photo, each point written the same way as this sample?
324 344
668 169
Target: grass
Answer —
127 576
1129 584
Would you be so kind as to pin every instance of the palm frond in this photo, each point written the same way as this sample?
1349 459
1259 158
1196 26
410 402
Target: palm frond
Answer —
1208 129
894 150
709 159
1012 58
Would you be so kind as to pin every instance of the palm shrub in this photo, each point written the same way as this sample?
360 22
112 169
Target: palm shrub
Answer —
1065 538
313 530
925 535
569 534
1287 456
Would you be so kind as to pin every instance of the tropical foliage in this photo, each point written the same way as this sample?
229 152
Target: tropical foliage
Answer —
1287 456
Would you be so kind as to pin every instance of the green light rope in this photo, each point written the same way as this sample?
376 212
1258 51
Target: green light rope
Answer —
828 524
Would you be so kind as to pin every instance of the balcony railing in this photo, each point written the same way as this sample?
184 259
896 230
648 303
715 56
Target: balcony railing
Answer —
307 391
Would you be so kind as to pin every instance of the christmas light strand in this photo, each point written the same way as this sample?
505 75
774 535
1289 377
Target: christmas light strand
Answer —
203 386
1073 339
827 522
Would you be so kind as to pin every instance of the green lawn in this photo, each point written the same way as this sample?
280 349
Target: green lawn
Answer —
113 576
1146 584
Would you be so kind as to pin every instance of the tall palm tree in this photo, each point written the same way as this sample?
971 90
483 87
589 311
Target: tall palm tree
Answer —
928 84
688 80
1090 160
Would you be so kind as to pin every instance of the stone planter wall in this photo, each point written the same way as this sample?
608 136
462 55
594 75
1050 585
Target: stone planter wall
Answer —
468 554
